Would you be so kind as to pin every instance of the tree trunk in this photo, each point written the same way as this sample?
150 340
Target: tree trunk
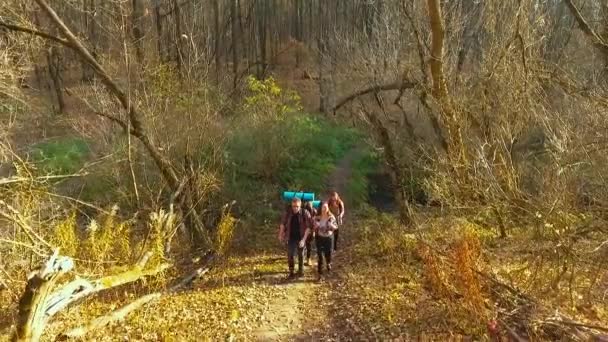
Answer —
396 172
217 39
32 315
235 44
326 86
90 7
159 31
138 36
55 73
178 38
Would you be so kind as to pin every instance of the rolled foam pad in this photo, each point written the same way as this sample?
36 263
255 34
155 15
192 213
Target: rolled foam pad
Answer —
304 196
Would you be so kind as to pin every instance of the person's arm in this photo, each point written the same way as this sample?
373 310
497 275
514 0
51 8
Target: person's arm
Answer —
332 223
341 205
282 227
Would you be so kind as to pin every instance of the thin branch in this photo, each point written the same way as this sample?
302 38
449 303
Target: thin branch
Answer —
13 180
596 39
383 87
41 34
15 216
32 248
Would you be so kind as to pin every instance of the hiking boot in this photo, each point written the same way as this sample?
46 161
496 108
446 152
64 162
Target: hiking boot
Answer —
328 268
291 275
300 274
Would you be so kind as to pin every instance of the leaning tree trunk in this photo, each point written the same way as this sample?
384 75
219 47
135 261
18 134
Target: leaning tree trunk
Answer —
134 124
32 316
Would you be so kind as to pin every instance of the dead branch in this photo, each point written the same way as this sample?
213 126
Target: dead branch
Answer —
41 179
40 34
32 318
122 312
38 304
374 89
15 216
81 288
595 38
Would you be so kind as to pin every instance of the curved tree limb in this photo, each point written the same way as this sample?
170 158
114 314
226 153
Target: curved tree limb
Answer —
40 34
596 39
374 89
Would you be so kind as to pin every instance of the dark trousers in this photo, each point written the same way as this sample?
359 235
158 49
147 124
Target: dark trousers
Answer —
324 246
336 234
309 246
293 248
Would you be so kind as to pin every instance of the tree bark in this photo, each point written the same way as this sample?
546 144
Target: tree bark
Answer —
235 43
138 36
437 37
178 38
32 316
217 39
54 66
159 30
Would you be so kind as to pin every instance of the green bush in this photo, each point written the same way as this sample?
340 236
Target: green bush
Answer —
60 156
295 153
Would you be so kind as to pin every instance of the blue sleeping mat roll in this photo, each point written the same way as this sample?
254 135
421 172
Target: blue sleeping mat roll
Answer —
304 196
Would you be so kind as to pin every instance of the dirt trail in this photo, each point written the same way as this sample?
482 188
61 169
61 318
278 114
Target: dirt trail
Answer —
341 175
288 313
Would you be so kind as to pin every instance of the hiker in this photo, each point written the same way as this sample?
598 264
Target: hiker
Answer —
336 206
311 210
325 226
296 225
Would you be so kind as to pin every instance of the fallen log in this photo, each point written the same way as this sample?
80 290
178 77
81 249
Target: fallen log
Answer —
121 313
38 304
81 288
32 318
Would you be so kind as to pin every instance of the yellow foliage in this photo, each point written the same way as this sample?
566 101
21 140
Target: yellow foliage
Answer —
224 233
465 256
65 235
162 227
434 271
108 241
267 99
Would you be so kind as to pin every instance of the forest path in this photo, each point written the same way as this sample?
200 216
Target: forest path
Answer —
293 314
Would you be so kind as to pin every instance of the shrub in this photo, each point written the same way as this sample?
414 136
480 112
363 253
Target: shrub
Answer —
224 233
109 240
60 156
65 236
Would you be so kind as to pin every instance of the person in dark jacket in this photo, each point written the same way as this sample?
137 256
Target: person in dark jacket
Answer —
296 225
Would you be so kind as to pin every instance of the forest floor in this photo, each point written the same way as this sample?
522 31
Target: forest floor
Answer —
243 298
